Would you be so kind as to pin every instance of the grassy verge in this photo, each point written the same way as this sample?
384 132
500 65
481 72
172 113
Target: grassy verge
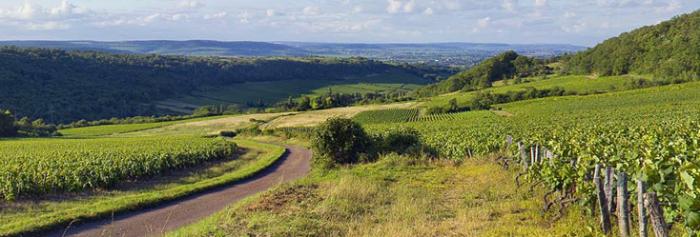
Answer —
27 217
396 196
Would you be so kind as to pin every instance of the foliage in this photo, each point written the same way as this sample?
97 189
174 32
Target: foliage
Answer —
7 124
32 217
651 134
63 86
387 116
38 167
227 134
503 66
341 141
9 127
401 141
668 50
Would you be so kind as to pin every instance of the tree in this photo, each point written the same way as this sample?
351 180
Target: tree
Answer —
7 124
304 104
454 107
341 141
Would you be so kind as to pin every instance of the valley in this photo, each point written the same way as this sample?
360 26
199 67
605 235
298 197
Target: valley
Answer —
208 138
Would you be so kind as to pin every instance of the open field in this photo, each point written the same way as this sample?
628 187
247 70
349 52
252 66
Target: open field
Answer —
397 196
212 126
33 215
313 118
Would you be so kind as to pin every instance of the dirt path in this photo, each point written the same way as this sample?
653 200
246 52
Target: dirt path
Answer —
171 215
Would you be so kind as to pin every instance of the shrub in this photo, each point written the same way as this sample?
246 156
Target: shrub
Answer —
402 141
227 133
342 141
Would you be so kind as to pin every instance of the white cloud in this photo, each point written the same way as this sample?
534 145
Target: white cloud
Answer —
218 15
483 22
179 17
428 11
540 3
509 5
190 4
409 6
394 6
357 9
311 10
577 27
244 17
49 25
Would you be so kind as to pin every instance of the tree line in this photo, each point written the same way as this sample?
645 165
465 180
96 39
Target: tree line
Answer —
10 127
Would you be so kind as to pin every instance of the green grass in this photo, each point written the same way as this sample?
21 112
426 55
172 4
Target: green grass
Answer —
579 84
28 216
397 196
103 130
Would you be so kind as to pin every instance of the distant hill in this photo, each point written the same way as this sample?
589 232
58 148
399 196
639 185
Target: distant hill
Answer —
442 54
167 47
503 66
670 49
64 86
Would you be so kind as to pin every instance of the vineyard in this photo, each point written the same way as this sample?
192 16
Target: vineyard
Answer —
398 116
41 166
651 135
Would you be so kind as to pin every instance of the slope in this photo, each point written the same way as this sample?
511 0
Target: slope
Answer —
670 49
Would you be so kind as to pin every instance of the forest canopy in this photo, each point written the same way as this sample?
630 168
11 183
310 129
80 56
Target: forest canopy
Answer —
670 49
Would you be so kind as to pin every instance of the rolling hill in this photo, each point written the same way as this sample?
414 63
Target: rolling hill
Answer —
63 86
670 49
443 54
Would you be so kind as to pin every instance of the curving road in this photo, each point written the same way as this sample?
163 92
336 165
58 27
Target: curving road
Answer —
169 216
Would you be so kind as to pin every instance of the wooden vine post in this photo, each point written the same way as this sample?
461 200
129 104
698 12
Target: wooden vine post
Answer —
656 215
641 211
523 156
602 201
623 217
609 190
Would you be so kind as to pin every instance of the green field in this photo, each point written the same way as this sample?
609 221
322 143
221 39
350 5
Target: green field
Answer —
576 84
45 166
277 91
26 216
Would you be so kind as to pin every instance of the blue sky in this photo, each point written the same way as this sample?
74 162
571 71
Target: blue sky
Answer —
581 22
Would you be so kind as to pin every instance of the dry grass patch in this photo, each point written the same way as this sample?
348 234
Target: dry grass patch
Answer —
313 118
400 196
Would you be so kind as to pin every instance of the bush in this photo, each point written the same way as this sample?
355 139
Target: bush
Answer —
401 141
227 134
341 141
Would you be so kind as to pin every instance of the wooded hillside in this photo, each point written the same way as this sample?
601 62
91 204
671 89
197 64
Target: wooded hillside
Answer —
670 49
63 86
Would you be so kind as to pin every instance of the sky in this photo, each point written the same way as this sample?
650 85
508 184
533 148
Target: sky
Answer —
579 22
